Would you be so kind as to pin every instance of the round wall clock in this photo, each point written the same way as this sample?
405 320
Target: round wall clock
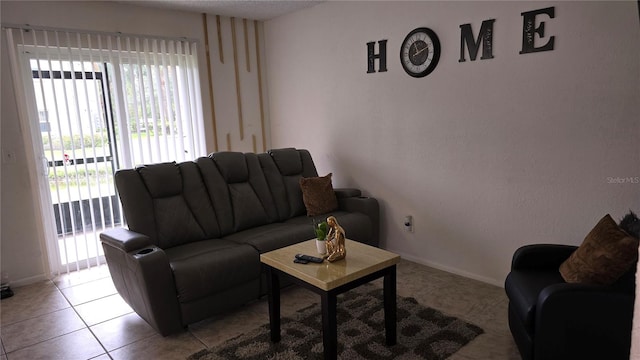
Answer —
420 52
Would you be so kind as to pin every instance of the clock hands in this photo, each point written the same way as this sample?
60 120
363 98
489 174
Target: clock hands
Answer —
419 51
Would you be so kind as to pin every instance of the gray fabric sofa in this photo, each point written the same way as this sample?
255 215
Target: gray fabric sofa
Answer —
196 231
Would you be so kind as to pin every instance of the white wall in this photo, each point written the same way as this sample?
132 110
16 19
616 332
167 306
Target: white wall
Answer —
486 155
22 254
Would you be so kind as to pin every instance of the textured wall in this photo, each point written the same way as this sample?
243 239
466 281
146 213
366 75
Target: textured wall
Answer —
486 155
239 96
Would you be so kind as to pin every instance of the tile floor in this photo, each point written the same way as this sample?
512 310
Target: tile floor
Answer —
80 316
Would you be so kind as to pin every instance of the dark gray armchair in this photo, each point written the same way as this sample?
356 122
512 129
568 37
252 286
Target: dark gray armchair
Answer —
554 320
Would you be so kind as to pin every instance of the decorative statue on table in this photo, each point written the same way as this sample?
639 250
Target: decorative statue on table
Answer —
335 241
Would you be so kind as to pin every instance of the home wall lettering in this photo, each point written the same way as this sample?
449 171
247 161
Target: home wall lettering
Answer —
381 56
529 30
533 31
485 38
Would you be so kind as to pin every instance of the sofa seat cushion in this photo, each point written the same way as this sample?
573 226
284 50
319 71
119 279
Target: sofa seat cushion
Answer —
523 287
273 236
207 267
357 226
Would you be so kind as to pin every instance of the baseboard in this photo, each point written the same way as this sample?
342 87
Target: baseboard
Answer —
28 281
449 269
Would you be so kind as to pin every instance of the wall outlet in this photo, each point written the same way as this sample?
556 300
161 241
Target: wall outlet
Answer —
408 223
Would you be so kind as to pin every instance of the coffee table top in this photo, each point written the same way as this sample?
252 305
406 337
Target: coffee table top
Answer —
361 260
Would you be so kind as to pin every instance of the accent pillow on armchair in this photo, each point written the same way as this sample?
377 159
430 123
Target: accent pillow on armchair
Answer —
604 256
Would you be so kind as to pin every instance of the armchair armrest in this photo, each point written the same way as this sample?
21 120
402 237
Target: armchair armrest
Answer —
541 256
368 206
589 321
143 277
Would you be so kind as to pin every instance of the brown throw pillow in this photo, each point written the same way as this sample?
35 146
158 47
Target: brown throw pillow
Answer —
318 195
605 254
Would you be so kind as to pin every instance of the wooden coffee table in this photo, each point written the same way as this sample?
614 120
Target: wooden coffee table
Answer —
363 264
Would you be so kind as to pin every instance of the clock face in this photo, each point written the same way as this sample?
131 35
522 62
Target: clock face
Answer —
420 52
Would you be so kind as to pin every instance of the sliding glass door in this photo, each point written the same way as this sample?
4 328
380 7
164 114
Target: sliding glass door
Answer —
76 127
94 104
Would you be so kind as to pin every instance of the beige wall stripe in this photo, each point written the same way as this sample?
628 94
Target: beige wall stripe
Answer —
235 66
264 140
210 82
246 45
220 51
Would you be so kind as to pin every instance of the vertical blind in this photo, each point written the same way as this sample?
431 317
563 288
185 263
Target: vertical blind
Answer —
96 103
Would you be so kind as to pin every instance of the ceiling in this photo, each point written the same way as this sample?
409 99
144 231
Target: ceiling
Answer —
247 9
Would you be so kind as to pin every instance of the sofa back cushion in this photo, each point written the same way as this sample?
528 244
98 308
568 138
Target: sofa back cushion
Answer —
244 197
283 174
276 185
167 202
214 196
196 196
137 203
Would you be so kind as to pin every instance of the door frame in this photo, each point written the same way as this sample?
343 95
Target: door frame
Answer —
34 159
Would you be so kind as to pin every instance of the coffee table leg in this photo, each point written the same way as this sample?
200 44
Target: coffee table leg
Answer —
273 290
329 325
390 306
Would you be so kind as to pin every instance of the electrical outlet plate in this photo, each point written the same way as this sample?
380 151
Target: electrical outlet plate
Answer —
408 223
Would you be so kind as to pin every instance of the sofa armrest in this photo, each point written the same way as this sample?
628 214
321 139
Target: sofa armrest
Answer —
541 256
125 240
368 206
143 277
347 193
581 321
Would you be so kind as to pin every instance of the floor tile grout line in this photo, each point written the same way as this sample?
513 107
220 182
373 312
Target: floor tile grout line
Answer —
92 300
38 315
102 322
84 321
197 338
101 277
47 313
107 352
98 340
91 330
135 342
40 342
120 347
86 302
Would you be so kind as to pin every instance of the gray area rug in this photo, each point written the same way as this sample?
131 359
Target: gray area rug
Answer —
423 333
